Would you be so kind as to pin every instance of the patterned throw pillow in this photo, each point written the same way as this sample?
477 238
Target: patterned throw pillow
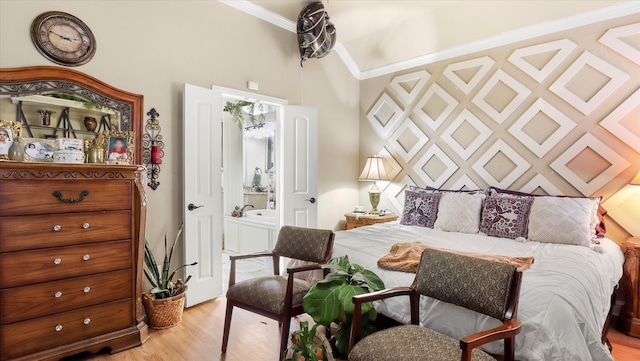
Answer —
459 212
420 209
505 217
562 220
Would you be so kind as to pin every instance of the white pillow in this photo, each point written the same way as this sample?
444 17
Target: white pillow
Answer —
562 220
459 212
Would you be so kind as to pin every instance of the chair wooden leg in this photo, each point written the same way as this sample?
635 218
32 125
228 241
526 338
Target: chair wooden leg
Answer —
509 348
227 326
284 338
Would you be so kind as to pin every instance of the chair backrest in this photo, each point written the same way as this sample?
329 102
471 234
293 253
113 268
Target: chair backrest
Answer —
484 286
307 244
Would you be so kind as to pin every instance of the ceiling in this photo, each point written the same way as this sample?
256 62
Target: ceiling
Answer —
379 34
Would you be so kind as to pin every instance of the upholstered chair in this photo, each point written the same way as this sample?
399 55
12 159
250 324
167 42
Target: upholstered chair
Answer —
487 287
279 297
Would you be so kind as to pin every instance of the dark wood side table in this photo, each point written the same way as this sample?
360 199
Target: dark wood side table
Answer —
355 220
629 320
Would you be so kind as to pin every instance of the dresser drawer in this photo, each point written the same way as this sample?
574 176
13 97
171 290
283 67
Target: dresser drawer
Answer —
28 197
27 267
43 333
26 302
32 232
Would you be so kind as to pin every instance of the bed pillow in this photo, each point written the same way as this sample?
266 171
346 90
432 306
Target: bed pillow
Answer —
459 212
597 221
420 209
505 217
562 220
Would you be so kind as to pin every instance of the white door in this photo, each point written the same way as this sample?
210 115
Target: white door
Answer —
202 193
299 167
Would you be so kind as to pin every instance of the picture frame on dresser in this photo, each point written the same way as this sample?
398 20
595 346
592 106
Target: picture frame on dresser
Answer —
118 146
9 131
38 150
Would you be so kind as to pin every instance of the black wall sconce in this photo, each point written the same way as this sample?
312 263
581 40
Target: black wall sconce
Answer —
152 148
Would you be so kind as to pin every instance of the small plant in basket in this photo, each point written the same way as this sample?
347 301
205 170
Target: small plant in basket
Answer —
165 301
305 346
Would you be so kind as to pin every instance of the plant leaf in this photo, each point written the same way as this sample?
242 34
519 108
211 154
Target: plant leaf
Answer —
345 293
372 280
322 303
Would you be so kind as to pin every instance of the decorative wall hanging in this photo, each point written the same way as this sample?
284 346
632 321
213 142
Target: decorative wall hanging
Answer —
152 145
316 34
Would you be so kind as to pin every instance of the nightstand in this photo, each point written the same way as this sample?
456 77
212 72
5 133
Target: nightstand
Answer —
356 220
629 320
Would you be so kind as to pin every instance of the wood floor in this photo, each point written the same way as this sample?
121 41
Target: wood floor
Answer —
252 338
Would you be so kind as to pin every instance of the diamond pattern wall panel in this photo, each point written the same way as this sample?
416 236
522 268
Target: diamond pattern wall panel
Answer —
384 115
408 140
483 66
391 165
521 165
565 125
465 151
624 121
499 115
613 39
562 49
587 59
409 85
589 187
435 179
540 181
435 91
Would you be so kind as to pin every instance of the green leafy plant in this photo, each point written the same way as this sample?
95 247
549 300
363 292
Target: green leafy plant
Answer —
329 301
237 114
87 104
45 111
304 345
161 279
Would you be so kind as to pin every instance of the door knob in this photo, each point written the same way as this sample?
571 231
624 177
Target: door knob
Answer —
191 206
310 200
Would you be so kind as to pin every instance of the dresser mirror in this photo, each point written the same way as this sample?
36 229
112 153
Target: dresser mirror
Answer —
79 105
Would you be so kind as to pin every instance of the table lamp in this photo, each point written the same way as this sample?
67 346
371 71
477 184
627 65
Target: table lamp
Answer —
636 180
374 171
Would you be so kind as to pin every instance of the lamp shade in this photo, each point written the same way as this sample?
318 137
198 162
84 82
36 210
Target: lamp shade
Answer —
636 180
374 170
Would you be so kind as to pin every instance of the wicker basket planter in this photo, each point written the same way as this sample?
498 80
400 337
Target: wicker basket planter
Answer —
163 313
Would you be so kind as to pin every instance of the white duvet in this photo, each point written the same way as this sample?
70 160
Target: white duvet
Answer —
564 299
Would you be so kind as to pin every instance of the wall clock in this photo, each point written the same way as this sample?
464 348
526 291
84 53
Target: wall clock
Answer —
63 38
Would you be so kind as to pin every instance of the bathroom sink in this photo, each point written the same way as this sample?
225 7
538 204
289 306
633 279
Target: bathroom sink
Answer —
264 215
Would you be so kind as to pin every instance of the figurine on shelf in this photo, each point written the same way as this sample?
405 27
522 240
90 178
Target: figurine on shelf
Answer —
45 116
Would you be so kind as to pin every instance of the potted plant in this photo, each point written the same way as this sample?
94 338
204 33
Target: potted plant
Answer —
237 113
164 303
45 116
306 345
329 301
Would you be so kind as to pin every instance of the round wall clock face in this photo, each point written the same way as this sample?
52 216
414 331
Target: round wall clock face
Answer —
63 38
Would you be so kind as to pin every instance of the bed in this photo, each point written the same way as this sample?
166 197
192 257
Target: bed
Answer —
564 301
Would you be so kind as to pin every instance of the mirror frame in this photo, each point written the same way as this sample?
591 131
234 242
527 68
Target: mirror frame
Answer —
38 79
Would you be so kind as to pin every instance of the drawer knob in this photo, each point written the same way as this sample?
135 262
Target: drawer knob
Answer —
57 228
58 328
87 321
58 294
57 261
86 226
87 289
86 257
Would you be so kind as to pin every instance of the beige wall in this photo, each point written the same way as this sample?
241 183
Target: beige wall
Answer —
394 122
153 47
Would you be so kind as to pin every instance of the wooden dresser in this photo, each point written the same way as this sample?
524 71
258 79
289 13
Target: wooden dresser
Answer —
629 319
71 246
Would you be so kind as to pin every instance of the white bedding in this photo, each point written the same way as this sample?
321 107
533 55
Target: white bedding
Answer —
564 299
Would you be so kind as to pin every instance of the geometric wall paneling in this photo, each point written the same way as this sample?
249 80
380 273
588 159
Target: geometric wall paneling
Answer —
588 82
464 182
500 165
499 95
540 181
624 121
623 207
455 72
613 40
466 134
384 115
408 86
391 165
529 125
589 164
530 60
440 103
408 140
435 167
393 196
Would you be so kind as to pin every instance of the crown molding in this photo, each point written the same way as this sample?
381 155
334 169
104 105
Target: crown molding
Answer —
611 12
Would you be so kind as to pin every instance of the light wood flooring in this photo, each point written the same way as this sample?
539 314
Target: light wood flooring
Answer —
252 338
